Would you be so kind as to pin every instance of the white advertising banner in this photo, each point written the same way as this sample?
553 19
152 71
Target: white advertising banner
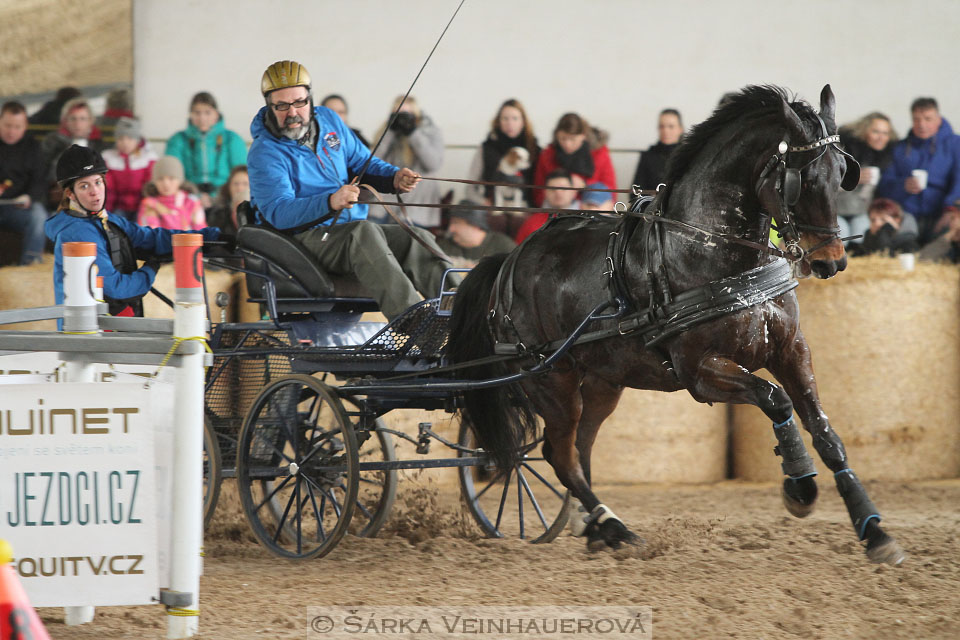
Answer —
78 489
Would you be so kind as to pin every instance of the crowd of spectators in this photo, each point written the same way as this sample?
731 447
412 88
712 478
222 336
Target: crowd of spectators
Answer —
907 201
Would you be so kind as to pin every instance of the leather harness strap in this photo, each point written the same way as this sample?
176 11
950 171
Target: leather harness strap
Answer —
403 222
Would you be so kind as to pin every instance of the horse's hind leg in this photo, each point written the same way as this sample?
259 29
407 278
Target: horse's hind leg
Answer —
599 398
718 379
562 405
794 370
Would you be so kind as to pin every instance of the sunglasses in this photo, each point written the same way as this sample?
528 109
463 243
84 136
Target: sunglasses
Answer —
285 106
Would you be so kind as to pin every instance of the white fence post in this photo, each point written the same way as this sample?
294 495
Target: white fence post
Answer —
187 513
80 316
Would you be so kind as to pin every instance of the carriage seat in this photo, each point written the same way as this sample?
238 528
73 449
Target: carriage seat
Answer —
298 277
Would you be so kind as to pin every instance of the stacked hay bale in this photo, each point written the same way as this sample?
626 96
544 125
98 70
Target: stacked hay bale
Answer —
886 355
26 287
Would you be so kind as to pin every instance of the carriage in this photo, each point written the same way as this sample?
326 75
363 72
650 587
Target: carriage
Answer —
294 406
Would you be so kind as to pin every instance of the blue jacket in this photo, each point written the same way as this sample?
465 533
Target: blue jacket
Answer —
290 184
940 156
64 227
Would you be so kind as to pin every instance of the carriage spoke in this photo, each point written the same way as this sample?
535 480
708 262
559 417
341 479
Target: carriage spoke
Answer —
520 501
546 482
283 519
316 513
503 500
337 508
270 495
271 445
496 478
296 492
533 501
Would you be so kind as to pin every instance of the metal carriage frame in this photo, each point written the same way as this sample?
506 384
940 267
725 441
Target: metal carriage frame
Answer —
295 403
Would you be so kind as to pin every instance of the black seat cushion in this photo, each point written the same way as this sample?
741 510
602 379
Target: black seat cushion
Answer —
309 280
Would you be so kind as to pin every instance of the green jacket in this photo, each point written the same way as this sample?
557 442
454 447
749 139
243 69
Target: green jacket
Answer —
207 157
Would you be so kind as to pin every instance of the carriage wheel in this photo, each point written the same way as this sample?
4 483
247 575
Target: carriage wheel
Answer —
376 489
297 468
212 469
526 502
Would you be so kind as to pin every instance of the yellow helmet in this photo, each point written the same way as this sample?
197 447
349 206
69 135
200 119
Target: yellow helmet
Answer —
284 74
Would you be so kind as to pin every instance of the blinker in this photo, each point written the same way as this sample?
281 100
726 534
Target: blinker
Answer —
783 147
791 186
851 178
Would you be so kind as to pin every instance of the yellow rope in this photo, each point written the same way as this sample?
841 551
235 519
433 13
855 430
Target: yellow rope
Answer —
173 349
182 613
79 333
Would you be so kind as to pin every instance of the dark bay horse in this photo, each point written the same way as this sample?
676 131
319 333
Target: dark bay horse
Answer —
761 155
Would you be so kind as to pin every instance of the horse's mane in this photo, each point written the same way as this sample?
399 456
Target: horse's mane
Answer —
752 103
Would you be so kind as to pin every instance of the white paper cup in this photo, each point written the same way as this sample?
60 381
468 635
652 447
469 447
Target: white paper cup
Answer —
873 175
908 261
921 176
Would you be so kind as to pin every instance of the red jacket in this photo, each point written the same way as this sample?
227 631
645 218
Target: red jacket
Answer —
531 224
126 176
602 169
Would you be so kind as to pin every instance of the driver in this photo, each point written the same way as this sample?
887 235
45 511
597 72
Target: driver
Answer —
83 218
299 166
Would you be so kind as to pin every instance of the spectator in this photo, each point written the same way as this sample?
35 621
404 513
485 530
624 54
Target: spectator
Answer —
493 162
595 198
49 113
130 162
413 141
945 246
119 105
578 149
168 202
469 237
870 140
76 127
236 189
206 148
558 198
891 230
22 182
336 103
83 217
651 169
932 149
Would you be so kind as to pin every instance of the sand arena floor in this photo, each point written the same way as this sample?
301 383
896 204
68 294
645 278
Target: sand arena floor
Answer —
721 560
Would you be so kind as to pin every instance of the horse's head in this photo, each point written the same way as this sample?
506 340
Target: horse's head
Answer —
799 183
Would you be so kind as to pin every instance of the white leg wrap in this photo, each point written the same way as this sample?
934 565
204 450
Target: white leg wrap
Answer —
605 514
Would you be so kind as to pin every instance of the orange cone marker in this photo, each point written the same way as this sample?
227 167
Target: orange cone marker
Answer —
17 618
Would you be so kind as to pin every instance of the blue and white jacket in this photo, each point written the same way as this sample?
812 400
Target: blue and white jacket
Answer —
290 184
64 227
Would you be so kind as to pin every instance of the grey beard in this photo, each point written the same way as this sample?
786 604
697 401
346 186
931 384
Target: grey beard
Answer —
294 134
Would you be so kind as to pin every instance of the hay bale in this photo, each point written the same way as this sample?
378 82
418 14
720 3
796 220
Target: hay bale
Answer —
661 437
651 437
27 287
217 280
886 354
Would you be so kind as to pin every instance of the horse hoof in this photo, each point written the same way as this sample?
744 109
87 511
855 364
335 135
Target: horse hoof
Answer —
887 552
799 496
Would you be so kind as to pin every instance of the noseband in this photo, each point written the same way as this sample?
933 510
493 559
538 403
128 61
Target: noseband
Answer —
787 182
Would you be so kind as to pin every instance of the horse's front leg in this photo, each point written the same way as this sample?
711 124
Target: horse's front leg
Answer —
716 378
794 369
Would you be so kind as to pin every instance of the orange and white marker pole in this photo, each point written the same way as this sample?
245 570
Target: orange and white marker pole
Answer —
79 316
189 324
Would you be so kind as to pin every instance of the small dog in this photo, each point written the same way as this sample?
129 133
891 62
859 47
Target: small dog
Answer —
511 165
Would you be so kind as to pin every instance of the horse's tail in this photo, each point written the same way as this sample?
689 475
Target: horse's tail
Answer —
501 417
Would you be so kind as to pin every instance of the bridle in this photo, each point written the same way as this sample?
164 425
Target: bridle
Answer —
779 186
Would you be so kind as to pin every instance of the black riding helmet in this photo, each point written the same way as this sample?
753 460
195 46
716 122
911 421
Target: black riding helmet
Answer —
79 162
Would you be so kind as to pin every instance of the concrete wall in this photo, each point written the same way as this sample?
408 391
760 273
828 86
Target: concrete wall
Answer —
617 62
